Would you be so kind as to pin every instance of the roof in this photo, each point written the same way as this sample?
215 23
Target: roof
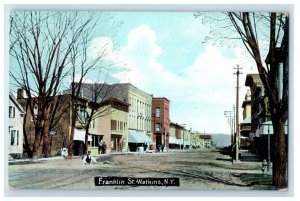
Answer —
205 137
176 125
155 98
17 104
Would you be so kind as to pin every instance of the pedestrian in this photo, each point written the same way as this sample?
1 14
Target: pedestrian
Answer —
100 146
104 146
88 159
162 147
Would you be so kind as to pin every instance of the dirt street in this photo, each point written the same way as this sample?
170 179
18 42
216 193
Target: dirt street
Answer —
196 169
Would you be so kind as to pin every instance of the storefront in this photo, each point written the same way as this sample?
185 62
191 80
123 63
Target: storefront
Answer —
138 139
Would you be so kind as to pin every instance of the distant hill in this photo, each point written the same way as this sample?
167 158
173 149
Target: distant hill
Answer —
221 140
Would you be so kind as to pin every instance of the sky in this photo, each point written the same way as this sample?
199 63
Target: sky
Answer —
164 55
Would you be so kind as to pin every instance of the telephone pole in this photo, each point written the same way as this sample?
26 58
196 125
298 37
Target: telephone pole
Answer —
237 73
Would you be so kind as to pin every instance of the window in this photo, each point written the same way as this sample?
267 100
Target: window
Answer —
82 114
157 127
14 137
121 126
11 112
95 140
157 112
113 125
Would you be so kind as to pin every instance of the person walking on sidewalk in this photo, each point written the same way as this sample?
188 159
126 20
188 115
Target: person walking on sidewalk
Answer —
100 144
104 146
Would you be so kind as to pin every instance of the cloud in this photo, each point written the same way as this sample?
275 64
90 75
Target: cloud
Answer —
204 89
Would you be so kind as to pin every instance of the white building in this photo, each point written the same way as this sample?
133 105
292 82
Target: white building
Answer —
16 113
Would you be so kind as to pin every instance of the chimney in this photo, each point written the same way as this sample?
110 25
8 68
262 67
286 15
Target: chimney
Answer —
20 93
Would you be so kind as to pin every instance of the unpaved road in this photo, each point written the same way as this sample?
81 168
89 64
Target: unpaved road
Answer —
197 170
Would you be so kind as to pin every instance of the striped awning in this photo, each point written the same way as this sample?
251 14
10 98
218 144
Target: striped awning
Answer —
135 136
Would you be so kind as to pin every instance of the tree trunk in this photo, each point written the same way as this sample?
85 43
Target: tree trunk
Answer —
85 148
280 154
70 141
73 123
46 139
37 141
26 143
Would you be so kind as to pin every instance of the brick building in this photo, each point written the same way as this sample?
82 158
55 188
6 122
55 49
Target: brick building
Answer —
161 122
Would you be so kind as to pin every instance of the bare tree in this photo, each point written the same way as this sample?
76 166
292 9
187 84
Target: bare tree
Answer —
85 61
41 45
264 32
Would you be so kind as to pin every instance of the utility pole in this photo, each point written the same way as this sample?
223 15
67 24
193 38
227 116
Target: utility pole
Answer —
237 113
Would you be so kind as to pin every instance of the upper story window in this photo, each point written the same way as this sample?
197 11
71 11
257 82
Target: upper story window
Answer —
157 112
82 114
11 112
113 125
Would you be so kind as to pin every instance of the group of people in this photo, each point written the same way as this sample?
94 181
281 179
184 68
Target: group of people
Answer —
102 147
88 159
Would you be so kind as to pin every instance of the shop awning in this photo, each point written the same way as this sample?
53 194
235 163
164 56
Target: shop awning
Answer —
135 136
173 140
267 128
79 134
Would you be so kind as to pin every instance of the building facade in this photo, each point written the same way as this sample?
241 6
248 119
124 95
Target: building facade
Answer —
259 110
161 122
139 115
205 141
110 127
187 144
245 137
15 128
176 136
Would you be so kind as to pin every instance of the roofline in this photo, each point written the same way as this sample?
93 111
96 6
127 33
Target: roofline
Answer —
127 83
161 98
112 100
13 98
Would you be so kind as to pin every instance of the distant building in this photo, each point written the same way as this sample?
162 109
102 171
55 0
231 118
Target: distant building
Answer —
187 139
176 136
161 122
206 140
15 128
